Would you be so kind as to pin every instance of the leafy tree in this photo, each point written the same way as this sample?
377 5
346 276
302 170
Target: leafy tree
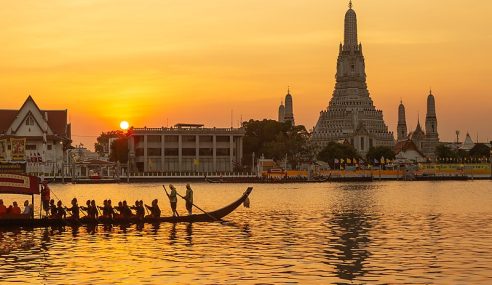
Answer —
376 153
119 147
443 152
335 150
480 150
275 140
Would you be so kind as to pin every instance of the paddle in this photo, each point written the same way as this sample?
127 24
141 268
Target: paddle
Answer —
218 220
169 197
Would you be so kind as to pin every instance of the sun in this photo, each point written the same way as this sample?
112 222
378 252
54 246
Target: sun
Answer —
124 125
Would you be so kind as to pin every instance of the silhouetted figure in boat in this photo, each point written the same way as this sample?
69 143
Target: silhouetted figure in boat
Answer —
60 210
53 209
3 209
189 199
118 208
93 212
74 210
155 212
45 197
86 209
28 209
173 199
14 209
126 212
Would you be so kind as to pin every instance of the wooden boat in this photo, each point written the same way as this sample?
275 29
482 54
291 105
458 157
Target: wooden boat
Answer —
45 222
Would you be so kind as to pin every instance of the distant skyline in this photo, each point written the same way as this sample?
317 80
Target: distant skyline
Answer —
158 63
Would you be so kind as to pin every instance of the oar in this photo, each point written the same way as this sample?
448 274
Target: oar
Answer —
164 186
218 220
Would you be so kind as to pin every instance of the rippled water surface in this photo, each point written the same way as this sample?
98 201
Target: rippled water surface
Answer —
377 233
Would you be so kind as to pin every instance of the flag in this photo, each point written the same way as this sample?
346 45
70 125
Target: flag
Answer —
376 161
349 160
342 160
388 161
354 160
337 161
382 160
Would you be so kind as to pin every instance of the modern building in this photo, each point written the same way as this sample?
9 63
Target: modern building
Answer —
351 114
286 113
426 141
185 148
32 136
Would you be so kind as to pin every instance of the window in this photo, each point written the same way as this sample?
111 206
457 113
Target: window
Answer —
139 151
30 147
50 147
188 151
154 139
171 152
362 143
223 152
189 138
206 152
30 121
222 139
206 138
171 138
154 152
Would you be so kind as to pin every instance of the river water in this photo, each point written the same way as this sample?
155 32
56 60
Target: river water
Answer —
374 233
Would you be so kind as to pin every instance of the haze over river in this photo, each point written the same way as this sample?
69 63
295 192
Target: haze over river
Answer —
375 233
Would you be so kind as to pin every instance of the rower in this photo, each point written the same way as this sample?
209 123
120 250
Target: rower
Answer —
27 209
173 199
93 210
86 209
189 199
45 197
140 210
3 209
53 210
110 209
155 212
118 208
125 210
74 209
60 210
104 209
15 210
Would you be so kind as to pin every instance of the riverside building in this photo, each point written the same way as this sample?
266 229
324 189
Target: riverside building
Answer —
351 114
185 148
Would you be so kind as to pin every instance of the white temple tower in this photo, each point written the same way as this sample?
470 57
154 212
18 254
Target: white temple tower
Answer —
281 112
431 133
402 123
351 114
289 108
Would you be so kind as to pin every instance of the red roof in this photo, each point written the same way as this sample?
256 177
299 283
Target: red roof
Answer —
57 120
405 146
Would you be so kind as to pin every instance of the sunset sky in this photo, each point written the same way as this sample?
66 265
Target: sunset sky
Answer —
161 62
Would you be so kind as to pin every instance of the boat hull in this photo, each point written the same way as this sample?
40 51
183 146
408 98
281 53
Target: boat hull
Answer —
46 222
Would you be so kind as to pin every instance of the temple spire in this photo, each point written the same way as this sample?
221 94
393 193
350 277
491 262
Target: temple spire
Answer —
350 41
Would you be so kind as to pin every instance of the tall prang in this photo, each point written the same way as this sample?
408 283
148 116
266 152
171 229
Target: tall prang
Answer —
402 132
281 112
351 115
431 133
289 108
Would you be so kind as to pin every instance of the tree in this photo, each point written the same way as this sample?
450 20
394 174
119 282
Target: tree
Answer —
376 153
119 147
275 140
444 152
335 150
480 150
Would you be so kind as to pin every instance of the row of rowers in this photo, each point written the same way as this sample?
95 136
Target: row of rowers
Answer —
15 210
121 211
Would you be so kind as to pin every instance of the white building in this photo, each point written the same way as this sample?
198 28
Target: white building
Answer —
185 148
35 137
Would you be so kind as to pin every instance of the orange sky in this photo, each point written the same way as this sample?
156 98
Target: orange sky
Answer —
158 63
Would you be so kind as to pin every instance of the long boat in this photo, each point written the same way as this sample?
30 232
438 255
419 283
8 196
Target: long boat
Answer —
261 180
28 222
